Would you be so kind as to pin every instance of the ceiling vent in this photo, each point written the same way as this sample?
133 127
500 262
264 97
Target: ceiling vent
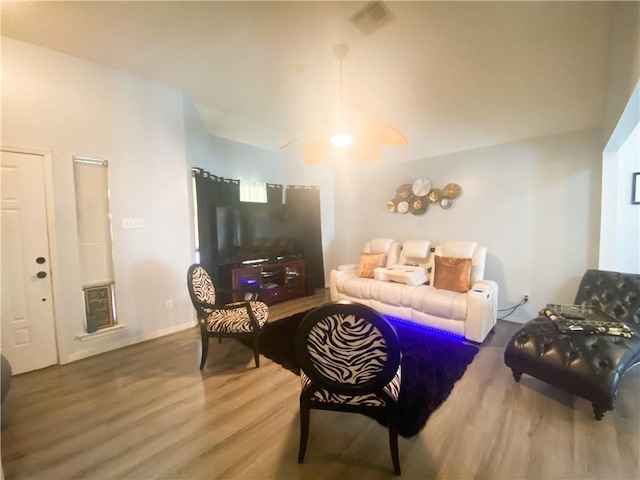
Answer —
372 17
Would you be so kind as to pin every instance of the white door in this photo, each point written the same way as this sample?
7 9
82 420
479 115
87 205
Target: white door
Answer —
28 332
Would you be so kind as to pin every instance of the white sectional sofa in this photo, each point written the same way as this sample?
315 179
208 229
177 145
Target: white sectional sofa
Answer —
413 282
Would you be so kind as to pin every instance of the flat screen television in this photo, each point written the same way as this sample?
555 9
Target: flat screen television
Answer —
255 232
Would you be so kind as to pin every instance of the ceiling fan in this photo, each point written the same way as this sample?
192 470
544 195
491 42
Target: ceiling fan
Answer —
359 138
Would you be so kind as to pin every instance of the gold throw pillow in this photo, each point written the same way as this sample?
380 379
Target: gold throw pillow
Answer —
452 273
369 261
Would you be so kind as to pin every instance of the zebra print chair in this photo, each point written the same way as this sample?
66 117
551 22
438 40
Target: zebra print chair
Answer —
240 319
349 359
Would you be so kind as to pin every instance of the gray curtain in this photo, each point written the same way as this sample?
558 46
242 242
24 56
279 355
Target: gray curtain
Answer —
304 201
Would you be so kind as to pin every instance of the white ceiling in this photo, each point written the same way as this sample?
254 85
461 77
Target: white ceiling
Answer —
450 76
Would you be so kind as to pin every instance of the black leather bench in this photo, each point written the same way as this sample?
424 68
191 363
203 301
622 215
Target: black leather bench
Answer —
584 364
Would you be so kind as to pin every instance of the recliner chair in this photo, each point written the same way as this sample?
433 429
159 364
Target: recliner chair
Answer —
386 246
463 249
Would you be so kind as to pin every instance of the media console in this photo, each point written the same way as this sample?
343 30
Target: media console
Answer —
275 280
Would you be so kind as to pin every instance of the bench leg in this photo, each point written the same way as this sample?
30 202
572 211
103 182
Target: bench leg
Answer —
598 411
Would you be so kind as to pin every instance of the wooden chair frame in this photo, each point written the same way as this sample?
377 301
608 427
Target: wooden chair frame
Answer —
204 309
321 382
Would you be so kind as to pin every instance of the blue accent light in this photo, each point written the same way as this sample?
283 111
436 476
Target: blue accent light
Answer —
425 329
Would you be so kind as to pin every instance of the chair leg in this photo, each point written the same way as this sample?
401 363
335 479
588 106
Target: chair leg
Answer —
304 428
393 440
256 348
205 346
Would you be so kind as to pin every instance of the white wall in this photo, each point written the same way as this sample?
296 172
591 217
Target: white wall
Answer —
620 234
534 204
620 228
68 106
628 242
623 64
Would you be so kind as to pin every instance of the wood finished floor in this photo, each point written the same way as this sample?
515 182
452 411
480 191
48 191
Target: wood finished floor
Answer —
146 411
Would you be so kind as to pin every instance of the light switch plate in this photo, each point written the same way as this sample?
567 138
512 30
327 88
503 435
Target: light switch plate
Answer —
132 223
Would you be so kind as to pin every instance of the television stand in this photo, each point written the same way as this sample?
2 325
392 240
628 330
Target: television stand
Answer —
275 281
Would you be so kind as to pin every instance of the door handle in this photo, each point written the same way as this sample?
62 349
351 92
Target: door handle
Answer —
40 260
41 274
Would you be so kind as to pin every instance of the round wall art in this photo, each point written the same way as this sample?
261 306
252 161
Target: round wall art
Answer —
421 187
415 197
451 190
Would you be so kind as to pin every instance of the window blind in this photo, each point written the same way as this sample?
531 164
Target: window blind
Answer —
94 221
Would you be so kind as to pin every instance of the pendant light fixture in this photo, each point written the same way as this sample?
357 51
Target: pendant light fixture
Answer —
359 138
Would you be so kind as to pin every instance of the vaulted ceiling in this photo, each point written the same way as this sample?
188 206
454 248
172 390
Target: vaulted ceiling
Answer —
449 75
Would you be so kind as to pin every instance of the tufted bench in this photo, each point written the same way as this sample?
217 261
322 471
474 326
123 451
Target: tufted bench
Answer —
586 365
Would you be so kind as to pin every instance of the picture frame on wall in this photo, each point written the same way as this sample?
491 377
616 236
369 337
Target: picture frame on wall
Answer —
635 189
98 301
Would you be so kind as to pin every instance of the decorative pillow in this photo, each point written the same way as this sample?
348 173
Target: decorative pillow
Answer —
452 273
370 261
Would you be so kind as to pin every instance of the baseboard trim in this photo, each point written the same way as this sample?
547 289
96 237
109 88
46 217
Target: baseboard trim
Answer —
125 342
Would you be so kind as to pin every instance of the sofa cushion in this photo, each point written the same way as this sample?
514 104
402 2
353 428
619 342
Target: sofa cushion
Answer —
457 249
445 304
369 262
390 293
617 294
384 245
348 283
415 251
379 245
451 273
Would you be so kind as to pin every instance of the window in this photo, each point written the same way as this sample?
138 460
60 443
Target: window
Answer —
253 192
94 241
194 196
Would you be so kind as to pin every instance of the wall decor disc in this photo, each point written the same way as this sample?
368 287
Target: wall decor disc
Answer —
451 190
446 203
435 195
418 206
403 207
403 192
392 206
421 187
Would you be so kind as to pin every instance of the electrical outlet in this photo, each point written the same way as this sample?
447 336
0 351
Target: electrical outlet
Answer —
526 297
169 305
